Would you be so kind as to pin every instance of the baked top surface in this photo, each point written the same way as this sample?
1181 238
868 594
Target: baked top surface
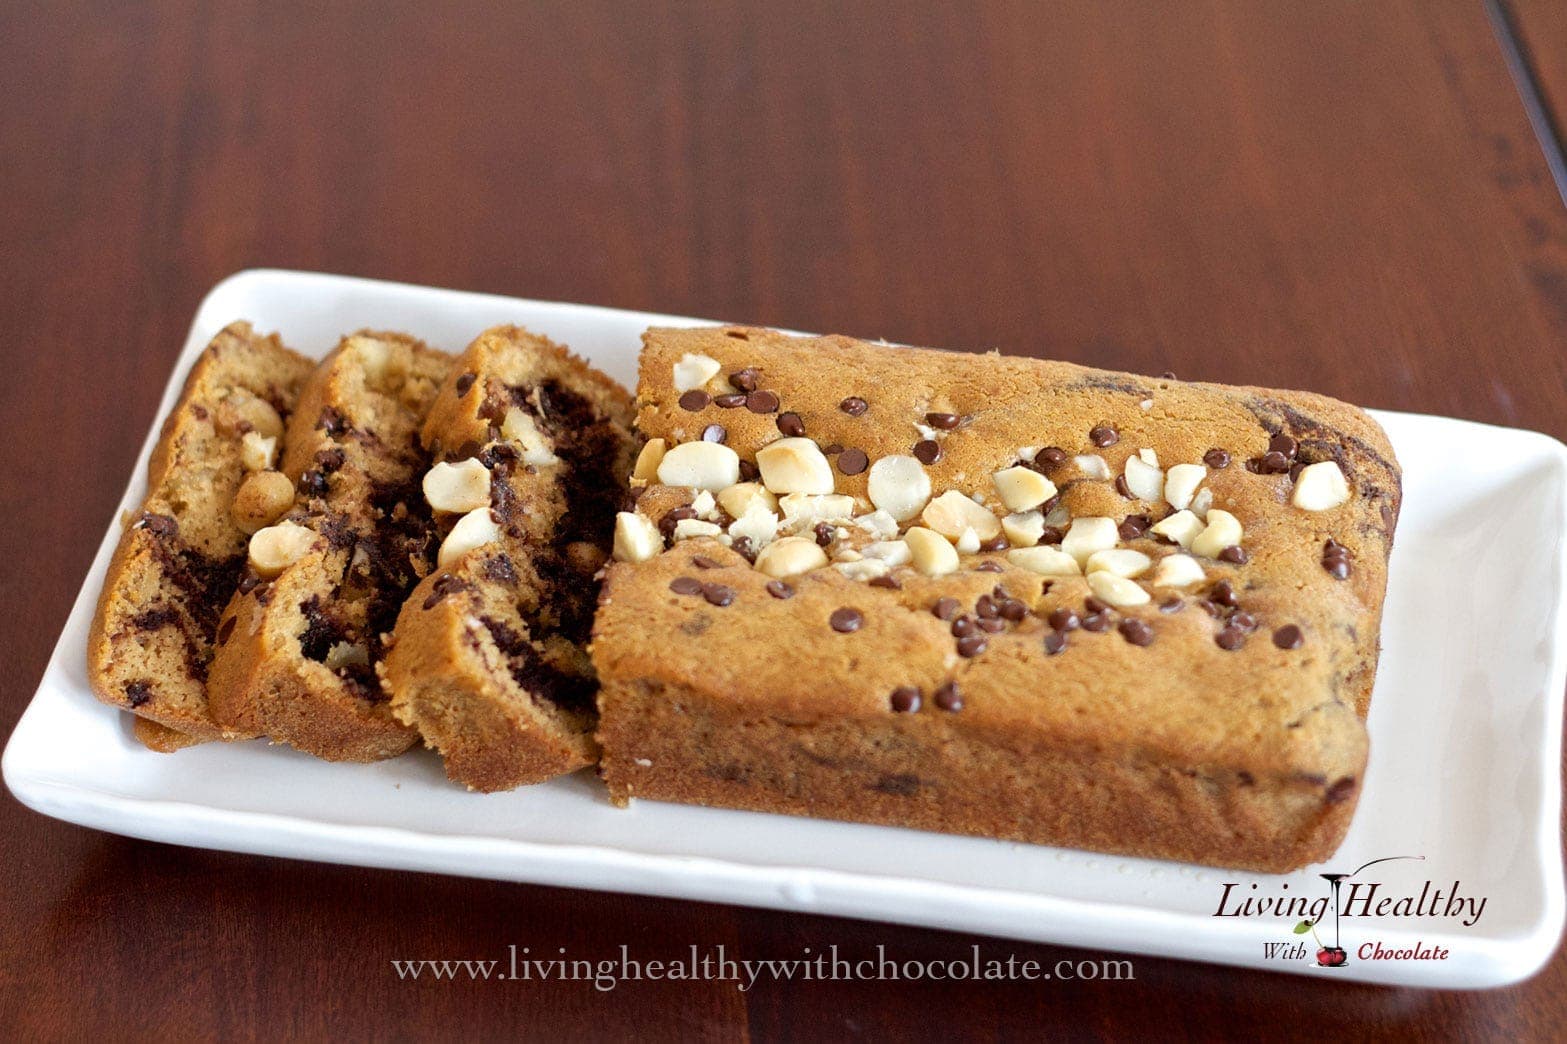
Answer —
1258 707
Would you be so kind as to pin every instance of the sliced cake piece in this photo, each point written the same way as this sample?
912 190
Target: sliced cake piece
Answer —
182 553
534 448
298 646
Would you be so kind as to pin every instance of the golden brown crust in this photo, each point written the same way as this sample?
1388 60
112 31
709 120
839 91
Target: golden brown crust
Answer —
1248 756
296 656
178 558
486 660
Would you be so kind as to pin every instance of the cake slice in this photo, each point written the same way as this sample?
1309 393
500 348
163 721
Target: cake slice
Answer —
995 596
182 552
533 450
298 645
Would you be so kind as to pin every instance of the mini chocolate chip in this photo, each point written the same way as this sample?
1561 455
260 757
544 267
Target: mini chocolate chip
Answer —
1212 608
1122 488
1104 435
729 400
1096 622
1224 594
249 582
1013 610
888 581
948 697
846 620
992 625
158 525
963 626
332 421
1295 470
791 425
1094 605
715 433
927 451
944 421
853 461
703 562
779 589
1230 638
718 594
972 645
226 628
666 525
331 460
464 383
1055 642
1134 526
945 608
749 472
1282 443
823 533
986 608
743 547
995 543
685 585
312 483
1217 459
1052 535
744 379
1273 463
1289 637
1171 605
1245 621
1050 457
1136 631
1234 554
854 406
905 699
762 402
991 566
138 692
694 400
1063 619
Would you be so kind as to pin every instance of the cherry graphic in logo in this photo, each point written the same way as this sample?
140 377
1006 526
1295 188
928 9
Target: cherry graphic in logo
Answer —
1332 957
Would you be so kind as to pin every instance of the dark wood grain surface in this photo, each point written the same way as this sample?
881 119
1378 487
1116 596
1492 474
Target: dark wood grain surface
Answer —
1338 196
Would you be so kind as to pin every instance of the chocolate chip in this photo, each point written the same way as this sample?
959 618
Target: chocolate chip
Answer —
905 699
890 582
1289 637
749 472
791 425
944 421
948 697
991 566
972 645
945 608
1013 610
964 626
1273 463
995 543
986 608
138 692
715 433
846 621
226 628
1055 642
464 383
1295 470
854 406
312 483
1104 435
1136 631
1244 621
1216 459
779 589
823 533
1122 488
685 585
1134 526
248 582
744 379
158 525
762 402
927 451
1094 605
1051 457
1052 535
332 421
1224 594
1335 559
331 460
729 400
703 562
992 625
666 525
718 594
853 461
1063 619
1230 638
1171 605
694 400
1096 622
1282 443
1234 554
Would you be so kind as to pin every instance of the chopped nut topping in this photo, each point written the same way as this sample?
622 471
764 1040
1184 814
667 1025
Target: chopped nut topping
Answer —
1046 561
1144 480
1118 591
1320 487
892 552
262 499
899 486
520 427
1180 484
1022 489
794 466
457 488
756 524
700 465
1088 535
1223 530
1092 466
790 556
930 552
652 455
257 452
952 513
275 548
878 524
691 528
1120 561
1178 571
806 509
473 530
694 371
1023 529
636 538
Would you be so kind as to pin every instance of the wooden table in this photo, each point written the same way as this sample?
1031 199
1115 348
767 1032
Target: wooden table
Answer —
1338 196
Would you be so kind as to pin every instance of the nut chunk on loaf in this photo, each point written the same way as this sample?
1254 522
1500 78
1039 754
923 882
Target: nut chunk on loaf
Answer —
995 596
181 555
298 646
533 450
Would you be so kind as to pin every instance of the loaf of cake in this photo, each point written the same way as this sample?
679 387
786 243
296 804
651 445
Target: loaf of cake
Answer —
298 646
181 554
995 596
533 449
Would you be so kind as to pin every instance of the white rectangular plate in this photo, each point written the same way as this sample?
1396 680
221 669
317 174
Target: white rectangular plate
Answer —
1465 766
